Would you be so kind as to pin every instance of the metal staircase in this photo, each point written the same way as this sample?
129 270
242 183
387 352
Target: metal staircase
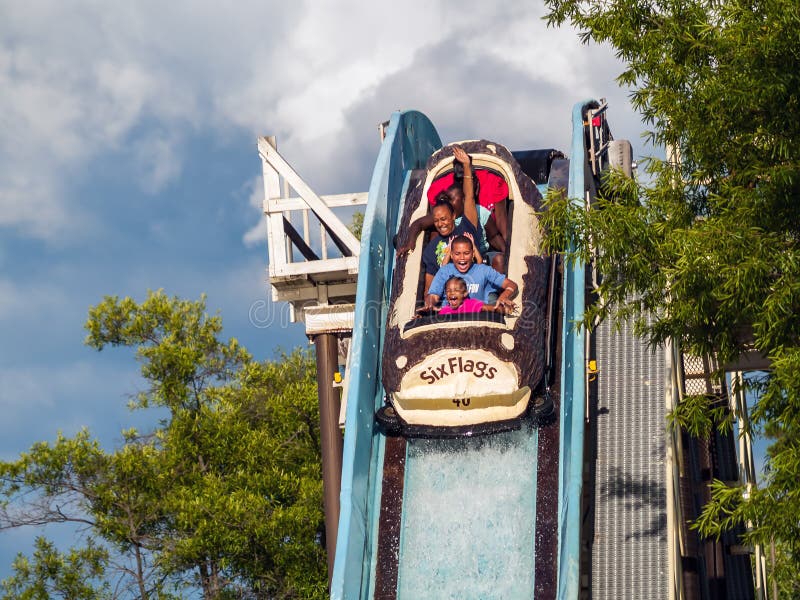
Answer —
646 481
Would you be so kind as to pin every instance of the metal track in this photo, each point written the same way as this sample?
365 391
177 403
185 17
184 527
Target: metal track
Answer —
629 552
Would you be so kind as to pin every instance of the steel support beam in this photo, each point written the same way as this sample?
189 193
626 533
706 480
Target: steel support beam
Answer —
330 437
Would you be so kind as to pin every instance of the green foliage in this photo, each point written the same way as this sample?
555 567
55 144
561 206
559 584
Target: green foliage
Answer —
357 224
783 571
51 574
176 343
225 495
700 414
712 246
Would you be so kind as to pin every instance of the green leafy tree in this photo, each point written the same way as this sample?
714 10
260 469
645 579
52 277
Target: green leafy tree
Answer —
357 224
52 574
711 245
224 495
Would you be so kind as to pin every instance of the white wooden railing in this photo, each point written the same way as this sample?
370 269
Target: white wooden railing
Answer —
313 256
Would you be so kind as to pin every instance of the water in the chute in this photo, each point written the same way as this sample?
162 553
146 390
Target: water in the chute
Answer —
469 516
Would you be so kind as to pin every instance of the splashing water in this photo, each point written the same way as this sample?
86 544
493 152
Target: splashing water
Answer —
469 518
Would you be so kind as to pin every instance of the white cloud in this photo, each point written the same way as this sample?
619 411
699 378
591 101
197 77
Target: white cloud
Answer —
257 234
42 394
37 299
26 389
84 79
158 160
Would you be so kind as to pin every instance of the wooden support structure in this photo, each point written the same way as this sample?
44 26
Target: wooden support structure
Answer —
313 256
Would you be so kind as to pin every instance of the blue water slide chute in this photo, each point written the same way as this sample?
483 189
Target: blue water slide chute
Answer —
573 389
410 139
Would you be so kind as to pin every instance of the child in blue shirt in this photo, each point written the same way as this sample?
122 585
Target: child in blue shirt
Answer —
481 279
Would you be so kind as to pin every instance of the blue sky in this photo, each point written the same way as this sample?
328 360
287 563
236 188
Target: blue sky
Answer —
128 157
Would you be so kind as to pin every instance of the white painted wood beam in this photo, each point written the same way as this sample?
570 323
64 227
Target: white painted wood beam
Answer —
314 202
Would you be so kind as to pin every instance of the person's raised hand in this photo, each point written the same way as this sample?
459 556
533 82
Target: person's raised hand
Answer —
460 155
